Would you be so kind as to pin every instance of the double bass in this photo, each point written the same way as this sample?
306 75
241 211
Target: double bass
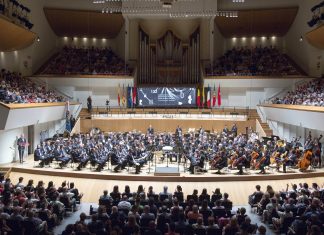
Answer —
305 161
254 157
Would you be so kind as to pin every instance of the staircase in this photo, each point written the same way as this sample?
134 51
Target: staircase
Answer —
84 114
5 171
253 114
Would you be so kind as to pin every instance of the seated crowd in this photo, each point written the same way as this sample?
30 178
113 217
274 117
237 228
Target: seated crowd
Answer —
34 209
258 61
150 213
71 60
16 89
295 211
311 93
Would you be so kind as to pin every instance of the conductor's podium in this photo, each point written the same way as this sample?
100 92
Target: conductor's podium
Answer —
166 171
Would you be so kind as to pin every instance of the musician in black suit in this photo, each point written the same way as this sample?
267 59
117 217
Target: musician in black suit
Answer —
21 142
234 129
39 155
150 130
178 131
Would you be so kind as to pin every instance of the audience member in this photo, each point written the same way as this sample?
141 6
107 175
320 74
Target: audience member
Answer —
71 60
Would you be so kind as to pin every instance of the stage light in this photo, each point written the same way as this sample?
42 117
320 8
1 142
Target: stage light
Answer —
263 38
243 38
273 37
253 38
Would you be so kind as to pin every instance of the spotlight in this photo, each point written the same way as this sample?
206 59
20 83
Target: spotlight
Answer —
38 39
301 39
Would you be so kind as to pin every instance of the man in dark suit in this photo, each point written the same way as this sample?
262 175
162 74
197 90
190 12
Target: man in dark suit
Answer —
21 142
150 130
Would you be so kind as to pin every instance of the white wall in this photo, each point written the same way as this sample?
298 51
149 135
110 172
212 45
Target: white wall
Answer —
47 130
305 119
8 144
30 59
288 131
219 43
303 53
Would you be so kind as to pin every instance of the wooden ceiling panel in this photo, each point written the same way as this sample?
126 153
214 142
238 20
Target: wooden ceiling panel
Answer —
77 23
14 37
316 37
265 22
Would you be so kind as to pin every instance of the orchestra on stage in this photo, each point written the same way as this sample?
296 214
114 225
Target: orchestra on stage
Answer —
198 150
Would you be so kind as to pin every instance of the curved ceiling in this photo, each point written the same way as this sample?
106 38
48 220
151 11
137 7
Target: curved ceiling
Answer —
264 22
14 37
316 37
80 23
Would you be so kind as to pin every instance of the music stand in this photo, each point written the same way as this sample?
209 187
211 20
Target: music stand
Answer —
177 151
151 149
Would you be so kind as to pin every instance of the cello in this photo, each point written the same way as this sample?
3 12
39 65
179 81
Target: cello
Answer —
254 157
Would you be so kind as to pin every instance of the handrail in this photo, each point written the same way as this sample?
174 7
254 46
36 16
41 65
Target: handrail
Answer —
76 128
259 129
34 105
261 114
306 108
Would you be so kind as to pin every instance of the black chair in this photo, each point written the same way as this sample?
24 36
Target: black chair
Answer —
199 231
29 228
213 231
219 213
286 224
15 226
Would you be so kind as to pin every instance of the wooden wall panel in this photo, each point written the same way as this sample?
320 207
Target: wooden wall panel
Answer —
160 125
14 37
316 37
77 23
265 22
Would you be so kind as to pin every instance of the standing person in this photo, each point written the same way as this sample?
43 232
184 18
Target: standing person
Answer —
21 142
89 104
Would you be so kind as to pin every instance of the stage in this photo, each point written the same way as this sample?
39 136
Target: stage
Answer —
92 183
148 172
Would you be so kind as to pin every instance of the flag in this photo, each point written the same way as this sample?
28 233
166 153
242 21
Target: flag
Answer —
129 96
214 96
219 97
123 97
118 97
198 98
203 97
208 97
134 95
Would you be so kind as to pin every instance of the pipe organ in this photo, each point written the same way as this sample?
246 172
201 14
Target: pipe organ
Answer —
169 60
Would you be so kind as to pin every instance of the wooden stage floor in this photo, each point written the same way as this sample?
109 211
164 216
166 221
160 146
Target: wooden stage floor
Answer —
92 183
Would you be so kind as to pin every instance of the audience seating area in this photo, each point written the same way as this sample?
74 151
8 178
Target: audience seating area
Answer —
258 61
35 209
78 61
311 93
149 212
295 211
16 89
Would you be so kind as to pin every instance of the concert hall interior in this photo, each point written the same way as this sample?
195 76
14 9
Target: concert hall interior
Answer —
162 117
